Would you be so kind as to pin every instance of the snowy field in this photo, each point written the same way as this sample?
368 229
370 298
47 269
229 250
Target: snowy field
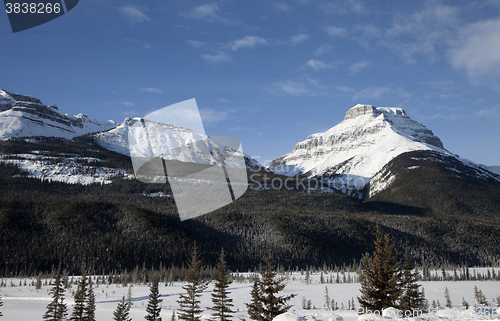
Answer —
26 303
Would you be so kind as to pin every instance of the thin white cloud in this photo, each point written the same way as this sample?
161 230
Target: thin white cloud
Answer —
477 50
248 42
298 38
358 67
209 12
151 90
223 100
345 89
134 14
289 87
128 103
146 46
210 115
336 31
320 64
196 43
342 7
324 49
490 113
217 58
378 92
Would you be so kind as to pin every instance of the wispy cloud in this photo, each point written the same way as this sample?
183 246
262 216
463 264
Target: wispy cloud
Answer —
210 115
134 14
146 46
217 58
320 64
196 43
477 50
358 67
378 92
128 103
345 89
298 38
151 90
342 7
248 42
289 87
223 100
336 31
209 12
324 49
490 113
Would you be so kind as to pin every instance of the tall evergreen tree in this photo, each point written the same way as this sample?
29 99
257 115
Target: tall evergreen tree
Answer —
267 303
327 299
56 309
122 311
380 279
89 309
220 296
411 298
80 298
189 303
153 309
254 308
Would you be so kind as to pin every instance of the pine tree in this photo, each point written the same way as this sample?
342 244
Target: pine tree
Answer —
254 308
57 310
327 299
380 279
1 305
464 303
434 305
220 295
189 303
411 298
80 298
89 310
153 309
448 299
267 303
122 311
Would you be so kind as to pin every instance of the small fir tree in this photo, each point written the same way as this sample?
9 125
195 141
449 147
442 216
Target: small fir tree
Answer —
411 298
465 304
89 310
222 303
448 298
254 308
122 311
267 301
190 303
327 299
380 279
57 309
153 309
80 298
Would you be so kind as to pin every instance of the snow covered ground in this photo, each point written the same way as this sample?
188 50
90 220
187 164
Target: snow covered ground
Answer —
26 303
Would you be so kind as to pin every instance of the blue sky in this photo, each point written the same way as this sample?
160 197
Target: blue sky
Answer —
271 72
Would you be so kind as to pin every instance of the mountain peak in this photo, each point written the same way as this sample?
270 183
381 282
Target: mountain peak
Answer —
360 110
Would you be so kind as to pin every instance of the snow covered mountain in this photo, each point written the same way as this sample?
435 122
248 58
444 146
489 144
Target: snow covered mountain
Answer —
351 153
170 143
25 116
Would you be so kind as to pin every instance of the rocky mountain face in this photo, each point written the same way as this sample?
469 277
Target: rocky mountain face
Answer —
351 153
25 116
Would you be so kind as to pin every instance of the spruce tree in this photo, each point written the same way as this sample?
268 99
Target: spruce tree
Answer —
380 279
56 309
1 305
80 298
122 311
254 308
89 309
267 303
153 309
448 299
411 298
220 296
327 299
189 303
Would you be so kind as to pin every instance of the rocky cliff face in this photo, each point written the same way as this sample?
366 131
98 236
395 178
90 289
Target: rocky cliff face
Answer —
354 150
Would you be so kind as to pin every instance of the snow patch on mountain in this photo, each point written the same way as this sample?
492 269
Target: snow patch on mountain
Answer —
25 116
